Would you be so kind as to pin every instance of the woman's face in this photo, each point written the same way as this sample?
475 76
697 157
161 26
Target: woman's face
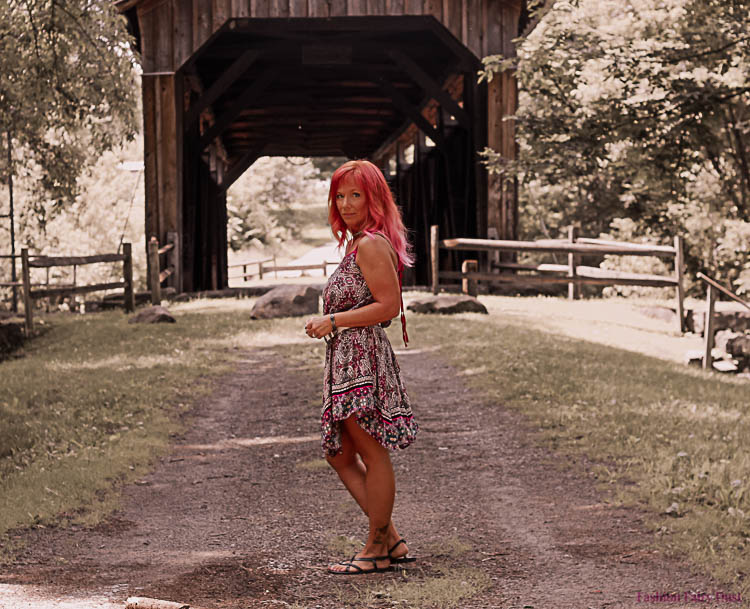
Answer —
351 203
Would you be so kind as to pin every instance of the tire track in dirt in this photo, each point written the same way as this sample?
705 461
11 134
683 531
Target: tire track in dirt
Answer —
241 513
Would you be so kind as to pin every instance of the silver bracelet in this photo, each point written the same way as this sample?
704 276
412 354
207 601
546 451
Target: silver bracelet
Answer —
334 329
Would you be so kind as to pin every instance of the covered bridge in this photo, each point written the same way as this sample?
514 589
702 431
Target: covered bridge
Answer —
228 81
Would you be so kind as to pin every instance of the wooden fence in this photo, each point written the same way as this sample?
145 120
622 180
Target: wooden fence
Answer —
29 294
572 273
156 274
708 325
276 268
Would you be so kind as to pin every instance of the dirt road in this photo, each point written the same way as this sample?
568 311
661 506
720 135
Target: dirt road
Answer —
244 513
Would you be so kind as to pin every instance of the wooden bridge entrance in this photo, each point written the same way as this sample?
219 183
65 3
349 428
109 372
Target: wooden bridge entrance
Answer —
228 81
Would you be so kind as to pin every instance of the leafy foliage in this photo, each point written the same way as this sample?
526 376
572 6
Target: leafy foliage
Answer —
260 203
67 92
638 110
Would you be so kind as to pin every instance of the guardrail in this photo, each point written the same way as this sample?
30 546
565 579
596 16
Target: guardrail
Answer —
708 326
29 294
572 274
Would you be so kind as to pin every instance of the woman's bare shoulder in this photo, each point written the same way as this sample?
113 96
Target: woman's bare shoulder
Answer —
375 246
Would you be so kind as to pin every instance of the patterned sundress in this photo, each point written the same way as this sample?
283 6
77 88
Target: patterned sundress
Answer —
361 374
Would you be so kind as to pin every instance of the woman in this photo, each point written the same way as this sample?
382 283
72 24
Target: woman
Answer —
366 411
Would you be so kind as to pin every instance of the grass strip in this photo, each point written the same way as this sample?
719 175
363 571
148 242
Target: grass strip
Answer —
95 399
675 435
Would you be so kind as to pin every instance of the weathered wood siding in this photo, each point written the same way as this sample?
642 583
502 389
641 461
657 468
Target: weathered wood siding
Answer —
172 30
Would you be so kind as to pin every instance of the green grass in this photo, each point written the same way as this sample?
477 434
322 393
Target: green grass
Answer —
665 436
95 399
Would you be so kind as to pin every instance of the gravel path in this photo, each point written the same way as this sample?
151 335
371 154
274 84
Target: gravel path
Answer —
243 513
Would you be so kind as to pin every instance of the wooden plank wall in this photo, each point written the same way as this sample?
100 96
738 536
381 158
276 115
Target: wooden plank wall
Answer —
172 30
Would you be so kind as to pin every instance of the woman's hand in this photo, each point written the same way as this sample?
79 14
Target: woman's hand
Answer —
318 327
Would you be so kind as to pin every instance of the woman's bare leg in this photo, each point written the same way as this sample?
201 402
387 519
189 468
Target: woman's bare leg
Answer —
352 473
379 488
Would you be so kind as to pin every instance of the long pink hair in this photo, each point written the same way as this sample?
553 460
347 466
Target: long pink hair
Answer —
382 214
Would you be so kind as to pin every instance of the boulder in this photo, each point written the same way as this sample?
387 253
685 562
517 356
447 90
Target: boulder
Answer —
11 337
152 315
737 321
287 301
446 304
738 346
665 314
722 339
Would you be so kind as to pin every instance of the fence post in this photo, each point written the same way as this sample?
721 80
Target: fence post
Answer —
574 291
493 258
434 235
127 277
325 270
260 270
679 263
708 328
275 272
469 286
27 300
153 271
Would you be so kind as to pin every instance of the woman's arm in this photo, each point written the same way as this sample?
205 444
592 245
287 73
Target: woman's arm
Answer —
375 259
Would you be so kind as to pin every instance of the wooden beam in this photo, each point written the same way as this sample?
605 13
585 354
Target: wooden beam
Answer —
226 80
247 98
430 86
411 111
236 170
47 261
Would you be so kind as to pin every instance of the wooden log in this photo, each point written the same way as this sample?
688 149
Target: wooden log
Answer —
48 261
533 246
81 289
708 328
154 283
680 292
28 300
469 286
434 253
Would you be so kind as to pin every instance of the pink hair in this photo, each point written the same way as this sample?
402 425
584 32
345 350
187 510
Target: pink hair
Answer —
382 214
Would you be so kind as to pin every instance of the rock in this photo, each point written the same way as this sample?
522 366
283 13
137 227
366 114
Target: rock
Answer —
722 339
445 304
663 313
11 337
738 346
152 315
287 301
725 365
738 321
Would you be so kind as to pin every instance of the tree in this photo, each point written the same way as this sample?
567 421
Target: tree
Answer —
638 110
67 92
260 204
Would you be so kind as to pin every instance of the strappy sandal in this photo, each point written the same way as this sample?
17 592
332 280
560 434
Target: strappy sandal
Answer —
399 559
349 564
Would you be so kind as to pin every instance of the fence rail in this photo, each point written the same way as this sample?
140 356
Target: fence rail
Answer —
156 274
29 295
708 326
572 274
276 268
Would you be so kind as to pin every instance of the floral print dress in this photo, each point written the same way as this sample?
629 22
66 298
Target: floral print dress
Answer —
362 376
